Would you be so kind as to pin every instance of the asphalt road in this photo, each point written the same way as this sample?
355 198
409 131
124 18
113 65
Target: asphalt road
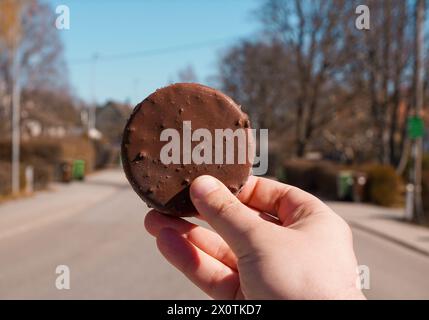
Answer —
96 229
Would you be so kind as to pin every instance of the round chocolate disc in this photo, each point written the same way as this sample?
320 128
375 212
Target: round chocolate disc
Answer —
181 132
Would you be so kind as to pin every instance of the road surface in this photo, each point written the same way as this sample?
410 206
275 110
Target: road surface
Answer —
96 229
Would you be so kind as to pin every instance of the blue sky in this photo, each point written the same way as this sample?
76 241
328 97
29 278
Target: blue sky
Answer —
116 27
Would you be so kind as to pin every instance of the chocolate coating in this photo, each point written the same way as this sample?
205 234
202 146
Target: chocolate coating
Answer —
165 187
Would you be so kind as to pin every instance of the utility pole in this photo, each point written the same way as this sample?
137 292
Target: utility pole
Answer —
16 102
415 204
92 108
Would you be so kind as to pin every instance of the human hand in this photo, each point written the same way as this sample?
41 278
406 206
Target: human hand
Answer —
272 242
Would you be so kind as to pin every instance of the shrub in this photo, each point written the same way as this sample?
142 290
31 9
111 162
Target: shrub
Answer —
46 156
297 173
325 175
79 148
425 164
317 177
384 185
274 164
5 182
105 154
53 151
43 174
46 150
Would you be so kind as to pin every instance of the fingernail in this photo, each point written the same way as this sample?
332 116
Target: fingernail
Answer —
203 185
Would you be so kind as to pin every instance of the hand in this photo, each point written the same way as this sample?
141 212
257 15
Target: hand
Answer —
272 242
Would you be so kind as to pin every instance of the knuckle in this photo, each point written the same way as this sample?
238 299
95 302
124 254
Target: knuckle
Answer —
222 252
253 235
227 207
251 230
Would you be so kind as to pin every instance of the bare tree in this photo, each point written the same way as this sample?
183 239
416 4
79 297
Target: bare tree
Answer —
187 74
314 34
343 91
385 73
256 75
41 61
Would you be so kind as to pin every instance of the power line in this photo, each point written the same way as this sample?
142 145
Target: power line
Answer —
152 52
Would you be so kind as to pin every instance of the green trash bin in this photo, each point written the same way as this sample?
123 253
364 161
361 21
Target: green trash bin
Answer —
345 185
78 169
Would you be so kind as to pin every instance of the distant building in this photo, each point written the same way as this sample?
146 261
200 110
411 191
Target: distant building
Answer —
50 115
111 119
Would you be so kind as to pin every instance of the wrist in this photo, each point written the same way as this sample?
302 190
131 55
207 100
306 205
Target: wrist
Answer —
353 294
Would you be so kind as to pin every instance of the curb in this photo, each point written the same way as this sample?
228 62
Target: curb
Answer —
385 236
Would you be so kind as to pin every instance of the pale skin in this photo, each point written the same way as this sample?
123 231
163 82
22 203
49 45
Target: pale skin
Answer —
273 241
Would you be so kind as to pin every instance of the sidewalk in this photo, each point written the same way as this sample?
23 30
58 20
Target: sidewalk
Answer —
384 222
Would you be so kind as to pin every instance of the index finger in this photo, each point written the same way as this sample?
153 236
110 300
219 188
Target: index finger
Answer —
276 198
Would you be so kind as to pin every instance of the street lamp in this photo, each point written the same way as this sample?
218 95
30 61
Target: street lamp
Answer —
414 203
16 101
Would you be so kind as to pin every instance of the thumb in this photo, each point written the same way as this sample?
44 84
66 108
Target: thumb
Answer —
231 219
